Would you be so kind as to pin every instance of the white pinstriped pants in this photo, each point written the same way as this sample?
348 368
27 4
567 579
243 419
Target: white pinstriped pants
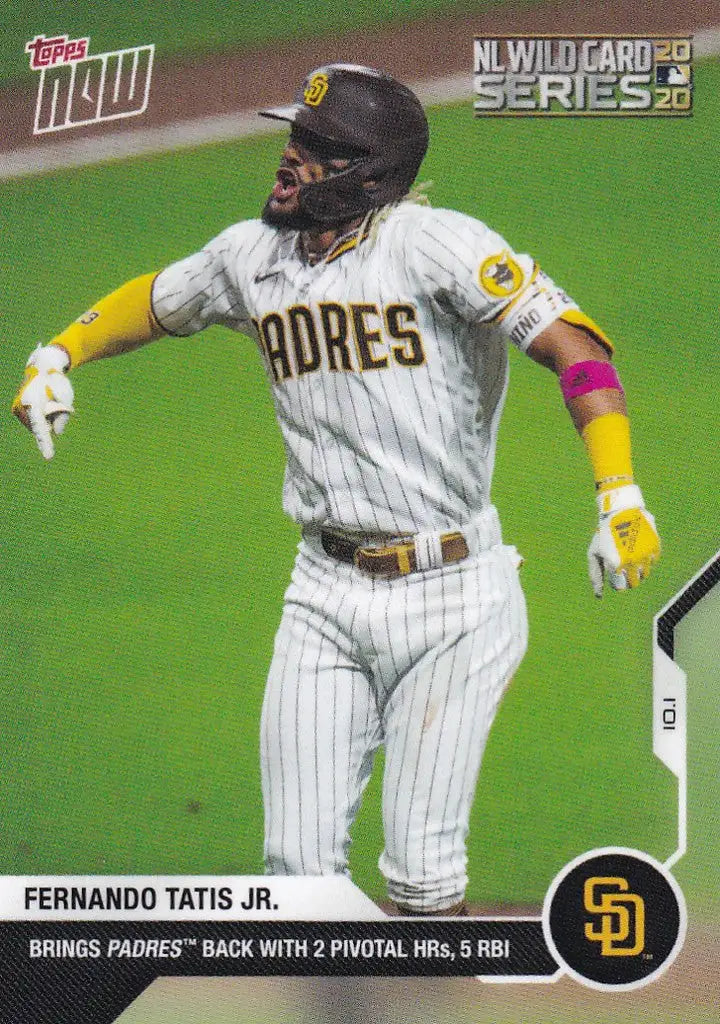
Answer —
418 664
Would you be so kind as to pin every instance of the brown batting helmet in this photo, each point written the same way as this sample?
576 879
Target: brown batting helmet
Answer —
378 120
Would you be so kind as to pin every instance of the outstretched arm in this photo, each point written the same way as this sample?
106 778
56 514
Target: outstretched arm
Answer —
121 322
118 323
626 543
184 298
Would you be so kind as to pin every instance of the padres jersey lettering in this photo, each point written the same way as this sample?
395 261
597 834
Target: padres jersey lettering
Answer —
335 332
410 354
305 341
321 335
388 363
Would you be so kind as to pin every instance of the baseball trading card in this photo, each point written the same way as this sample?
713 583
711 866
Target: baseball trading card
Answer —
361 590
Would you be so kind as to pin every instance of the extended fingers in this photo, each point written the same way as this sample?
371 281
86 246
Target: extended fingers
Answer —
41 431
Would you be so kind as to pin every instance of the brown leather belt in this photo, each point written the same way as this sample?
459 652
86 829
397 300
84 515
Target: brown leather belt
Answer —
394 560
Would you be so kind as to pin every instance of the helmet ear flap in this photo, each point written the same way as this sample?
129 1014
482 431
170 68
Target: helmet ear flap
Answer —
364 186
388 179
338 198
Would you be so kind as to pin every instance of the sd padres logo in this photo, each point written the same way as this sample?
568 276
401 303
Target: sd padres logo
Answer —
621 931
614 918
315 90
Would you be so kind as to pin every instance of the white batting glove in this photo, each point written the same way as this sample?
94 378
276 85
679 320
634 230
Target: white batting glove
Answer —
44 402
626 543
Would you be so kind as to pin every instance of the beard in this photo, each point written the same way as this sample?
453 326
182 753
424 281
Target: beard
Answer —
295 220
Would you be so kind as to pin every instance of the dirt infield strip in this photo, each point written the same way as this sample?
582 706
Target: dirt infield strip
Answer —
419 50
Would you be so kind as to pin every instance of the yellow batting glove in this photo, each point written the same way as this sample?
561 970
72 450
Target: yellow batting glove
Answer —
626 543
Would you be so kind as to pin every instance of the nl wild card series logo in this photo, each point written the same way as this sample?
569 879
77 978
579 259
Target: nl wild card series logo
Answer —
583 76
76 88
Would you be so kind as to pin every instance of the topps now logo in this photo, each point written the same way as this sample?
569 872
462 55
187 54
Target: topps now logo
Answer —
77 89
600 76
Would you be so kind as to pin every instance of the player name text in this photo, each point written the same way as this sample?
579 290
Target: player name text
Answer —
147 898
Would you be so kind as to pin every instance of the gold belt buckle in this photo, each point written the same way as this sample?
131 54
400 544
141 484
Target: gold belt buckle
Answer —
396 555
402 552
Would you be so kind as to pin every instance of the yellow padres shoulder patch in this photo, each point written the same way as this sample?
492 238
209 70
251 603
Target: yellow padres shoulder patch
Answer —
315 90
500 275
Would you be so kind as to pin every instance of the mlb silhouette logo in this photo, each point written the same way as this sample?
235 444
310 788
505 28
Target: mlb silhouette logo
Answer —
673 74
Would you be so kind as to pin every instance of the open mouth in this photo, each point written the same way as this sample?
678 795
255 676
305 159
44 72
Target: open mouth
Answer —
286 184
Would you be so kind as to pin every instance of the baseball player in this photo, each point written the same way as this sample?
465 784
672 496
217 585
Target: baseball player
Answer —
384 326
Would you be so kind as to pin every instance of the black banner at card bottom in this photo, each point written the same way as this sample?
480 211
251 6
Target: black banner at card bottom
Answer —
67 972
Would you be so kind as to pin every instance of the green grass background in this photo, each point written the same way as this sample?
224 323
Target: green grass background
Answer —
143 568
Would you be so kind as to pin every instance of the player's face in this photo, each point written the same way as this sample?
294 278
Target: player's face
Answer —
305 159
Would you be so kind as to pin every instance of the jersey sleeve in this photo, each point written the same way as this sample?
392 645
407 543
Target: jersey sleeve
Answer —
471 270
204 288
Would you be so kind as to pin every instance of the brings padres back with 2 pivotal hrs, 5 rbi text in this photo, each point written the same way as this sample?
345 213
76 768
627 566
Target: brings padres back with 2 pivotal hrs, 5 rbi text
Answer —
384 327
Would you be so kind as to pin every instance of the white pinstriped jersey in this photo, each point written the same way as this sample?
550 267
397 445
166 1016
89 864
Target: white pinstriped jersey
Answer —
387 360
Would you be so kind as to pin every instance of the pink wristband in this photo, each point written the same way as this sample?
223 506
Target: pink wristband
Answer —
590 375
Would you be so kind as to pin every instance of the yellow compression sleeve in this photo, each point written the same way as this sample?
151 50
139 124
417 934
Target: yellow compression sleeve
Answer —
607 439
120 322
